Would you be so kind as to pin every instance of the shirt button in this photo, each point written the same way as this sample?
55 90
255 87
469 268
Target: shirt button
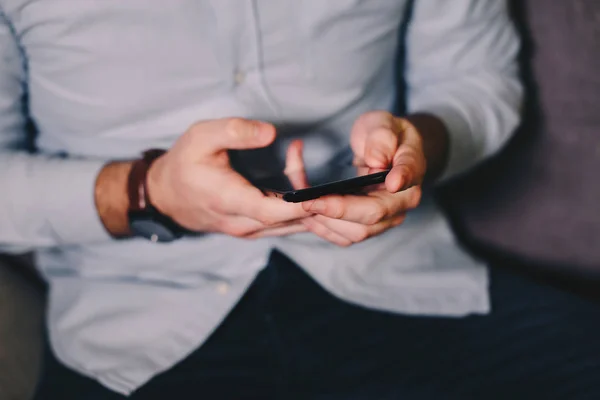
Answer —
223 288
239 77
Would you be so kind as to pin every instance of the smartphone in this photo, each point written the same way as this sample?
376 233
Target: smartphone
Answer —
333 179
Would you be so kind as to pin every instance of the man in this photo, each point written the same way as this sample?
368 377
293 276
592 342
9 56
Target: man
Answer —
226 307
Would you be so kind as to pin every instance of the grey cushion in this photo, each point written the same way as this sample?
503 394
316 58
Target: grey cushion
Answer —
21 309
541 199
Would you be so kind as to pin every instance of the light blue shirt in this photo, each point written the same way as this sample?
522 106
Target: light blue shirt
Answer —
107 79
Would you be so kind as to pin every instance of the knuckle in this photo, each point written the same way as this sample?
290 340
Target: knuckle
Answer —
381 212
266 218
236 126
372 219
215 204
335 208
376 215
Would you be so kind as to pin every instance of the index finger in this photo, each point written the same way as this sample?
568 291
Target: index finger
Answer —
294 166
367 210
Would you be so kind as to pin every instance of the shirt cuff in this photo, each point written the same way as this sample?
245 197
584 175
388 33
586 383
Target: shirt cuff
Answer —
67 191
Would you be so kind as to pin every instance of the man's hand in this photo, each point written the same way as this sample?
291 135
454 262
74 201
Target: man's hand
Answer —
194 184
379 141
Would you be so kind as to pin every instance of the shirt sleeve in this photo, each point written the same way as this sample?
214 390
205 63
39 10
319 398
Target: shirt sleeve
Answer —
461 63
45 201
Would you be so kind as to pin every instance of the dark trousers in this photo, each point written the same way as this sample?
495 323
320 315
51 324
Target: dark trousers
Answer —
290 339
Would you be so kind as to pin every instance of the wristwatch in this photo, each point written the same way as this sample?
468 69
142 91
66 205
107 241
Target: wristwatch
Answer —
144 219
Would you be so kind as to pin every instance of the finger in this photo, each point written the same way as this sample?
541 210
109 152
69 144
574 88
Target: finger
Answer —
363 126
401 177
281 231
294 166
212 137
358 232
409 164
238 197
238 226
359 161
293 160
325 233
368 209
380 147
245 227
408 170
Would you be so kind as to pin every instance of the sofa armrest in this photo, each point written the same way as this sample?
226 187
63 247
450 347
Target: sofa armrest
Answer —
21 329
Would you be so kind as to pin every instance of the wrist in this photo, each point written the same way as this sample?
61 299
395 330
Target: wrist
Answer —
145 217
112 201
154 186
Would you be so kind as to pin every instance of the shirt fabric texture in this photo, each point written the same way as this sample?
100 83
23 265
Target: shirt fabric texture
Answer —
107 80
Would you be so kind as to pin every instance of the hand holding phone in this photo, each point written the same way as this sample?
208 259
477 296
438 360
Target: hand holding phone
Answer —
379 140
201 205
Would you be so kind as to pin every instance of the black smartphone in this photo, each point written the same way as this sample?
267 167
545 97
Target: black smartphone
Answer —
333 179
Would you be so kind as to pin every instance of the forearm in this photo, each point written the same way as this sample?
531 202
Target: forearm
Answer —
480 114
436 143
47 201
461 67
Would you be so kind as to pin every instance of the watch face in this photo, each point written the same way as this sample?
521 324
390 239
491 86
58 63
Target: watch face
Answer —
151 230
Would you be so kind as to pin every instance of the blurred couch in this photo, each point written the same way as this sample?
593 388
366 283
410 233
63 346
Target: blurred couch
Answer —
21 315
535 208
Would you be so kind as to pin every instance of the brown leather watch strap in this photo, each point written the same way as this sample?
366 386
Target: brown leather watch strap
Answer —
136 185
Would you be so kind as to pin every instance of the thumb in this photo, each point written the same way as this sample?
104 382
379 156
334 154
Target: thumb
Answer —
233 134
